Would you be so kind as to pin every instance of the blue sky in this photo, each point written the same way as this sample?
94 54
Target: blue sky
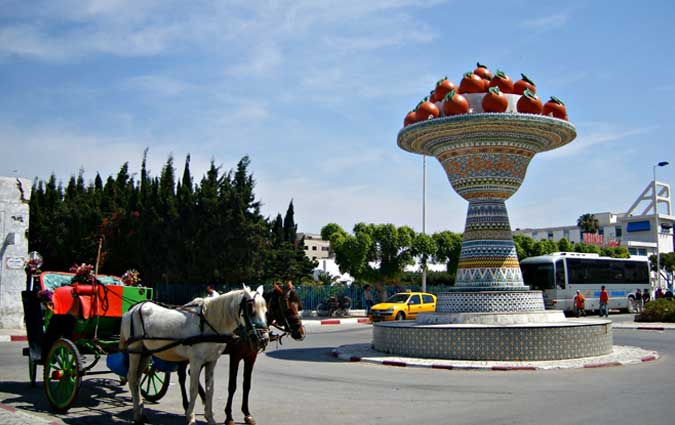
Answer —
315 93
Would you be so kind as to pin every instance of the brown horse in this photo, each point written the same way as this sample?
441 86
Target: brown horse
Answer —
283 312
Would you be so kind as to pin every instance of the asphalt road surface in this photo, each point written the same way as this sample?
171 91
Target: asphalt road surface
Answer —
300 382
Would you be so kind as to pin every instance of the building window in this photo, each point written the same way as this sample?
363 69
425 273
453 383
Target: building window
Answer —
535 234
566 234
642 251
324 248
632 251
306 247
550 235
314 248
601 231
618 231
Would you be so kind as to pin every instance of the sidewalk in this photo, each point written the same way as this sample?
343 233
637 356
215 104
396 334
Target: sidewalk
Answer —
12 416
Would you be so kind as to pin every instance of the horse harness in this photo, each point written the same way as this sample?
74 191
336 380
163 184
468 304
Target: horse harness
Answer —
252 332
278 310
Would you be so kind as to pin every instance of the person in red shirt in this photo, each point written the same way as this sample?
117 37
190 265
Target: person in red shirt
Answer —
604 300
579 304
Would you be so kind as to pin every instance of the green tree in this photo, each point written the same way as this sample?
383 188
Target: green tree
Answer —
544 247
525 246
565 245
667 263
290 228
375 253
588 223
449 248
424 247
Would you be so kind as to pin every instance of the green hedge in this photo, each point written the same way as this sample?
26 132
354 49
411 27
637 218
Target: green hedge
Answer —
661 310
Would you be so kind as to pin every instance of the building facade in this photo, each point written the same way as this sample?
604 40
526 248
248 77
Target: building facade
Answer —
647 222
315 247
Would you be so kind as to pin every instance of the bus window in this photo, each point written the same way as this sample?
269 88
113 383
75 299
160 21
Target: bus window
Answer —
538 276
560 274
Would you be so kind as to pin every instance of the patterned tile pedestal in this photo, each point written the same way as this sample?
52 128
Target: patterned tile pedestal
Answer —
533 342
490 314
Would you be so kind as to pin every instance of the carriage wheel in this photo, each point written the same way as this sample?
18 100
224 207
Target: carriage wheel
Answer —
32 371
62 375
154 384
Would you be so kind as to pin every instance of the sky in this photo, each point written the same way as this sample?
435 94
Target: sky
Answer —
315 93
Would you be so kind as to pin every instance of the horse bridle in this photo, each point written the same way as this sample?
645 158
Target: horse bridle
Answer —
289 323
253 332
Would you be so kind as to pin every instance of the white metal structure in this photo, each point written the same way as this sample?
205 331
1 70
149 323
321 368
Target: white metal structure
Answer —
561 274
638 229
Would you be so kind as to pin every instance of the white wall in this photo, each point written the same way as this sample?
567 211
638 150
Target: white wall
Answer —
13 249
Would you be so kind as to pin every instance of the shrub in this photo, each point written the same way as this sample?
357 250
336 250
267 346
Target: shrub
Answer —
661 310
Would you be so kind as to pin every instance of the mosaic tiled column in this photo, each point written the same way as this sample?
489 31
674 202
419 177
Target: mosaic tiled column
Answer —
485 157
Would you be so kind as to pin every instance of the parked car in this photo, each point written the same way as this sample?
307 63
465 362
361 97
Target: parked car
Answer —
403 306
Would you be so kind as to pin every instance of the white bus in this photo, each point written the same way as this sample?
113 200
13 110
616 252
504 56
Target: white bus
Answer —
561 274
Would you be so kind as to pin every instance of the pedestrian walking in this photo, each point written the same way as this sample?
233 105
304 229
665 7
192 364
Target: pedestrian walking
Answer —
645 297
368 298
579 304
604 302
638 301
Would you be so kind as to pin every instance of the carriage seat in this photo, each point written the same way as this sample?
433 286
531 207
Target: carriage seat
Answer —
65 301
75 300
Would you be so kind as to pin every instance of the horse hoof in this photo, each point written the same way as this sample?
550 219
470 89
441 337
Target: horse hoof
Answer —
249 420
230 422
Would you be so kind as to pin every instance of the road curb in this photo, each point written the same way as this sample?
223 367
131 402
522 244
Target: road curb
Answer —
644 327
622 356
13 338
333 322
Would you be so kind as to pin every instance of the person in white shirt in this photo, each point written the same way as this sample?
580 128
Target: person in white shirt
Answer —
211 292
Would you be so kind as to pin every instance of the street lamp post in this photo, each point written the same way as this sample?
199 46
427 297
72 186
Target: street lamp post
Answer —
656 219
424 215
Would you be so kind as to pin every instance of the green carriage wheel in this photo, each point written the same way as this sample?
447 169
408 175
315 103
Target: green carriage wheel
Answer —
154 384
32 371
62 375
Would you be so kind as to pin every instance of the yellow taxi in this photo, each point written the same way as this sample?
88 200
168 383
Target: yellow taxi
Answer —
403 306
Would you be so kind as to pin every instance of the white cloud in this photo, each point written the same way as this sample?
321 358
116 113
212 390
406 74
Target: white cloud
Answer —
546 22
63 152
595 135
157 84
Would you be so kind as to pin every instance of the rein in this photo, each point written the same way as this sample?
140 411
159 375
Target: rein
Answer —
252 332
277 312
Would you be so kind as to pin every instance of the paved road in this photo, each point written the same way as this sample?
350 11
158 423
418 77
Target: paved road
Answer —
301 382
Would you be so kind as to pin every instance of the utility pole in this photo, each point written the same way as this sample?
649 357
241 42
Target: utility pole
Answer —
424 215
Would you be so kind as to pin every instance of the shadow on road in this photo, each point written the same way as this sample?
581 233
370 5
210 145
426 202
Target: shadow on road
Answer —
99 401
315 354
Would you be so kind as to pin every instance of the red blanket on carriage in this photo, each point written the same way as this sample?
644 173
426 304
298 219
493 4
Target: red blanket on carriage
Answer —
87 301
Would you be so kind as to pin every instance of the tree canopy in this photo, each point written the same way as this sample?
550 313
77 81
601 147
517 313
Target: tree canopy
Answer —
170 230
588 223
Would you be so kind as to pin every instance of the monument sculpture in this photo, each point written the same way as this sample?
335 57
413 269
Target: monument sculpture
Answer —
485 133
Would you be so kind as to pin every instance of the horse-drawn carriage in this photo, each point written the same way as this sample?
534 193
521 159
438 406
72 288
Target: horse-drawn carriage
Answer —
72 320
69 315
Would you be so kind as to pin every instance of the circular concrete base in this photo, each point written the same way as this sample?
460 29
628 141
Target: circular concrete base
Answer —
520 342
492 319
619 356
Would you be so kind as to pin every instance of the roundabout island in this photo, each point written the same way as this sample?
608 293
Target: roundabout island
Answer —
490 315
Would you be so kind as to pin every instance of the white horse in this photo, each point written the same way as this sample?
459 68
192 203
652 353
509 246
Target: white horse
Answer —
145 326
